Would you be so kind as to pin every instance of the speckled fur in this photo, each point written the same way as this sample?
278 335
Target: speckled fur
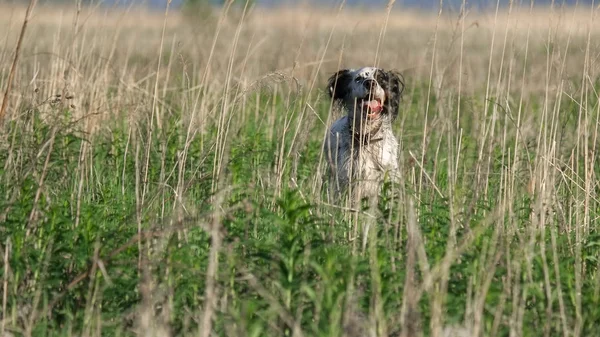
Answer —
361 152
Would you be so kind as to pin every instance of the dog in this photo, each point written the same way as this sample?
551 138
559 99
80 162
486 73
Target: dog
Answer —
360 147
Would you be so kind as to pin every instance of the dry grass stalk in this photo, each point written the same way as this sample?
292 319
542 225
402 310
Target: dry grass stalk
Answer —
13 67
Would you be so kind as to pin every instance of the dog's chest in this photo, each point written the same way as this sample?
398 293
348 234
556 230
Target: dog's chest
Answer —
362 165
372 160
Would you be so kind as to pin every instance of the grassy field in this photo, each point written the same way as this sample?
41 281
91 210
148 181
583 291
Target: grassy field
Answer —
161 175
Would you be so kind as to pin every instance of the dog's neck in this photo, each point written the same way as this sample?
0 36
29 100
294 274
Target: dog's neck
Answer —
373 136
364 140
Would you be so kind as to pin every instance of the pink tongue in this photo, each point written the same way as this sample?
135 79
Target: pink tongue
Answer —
374 105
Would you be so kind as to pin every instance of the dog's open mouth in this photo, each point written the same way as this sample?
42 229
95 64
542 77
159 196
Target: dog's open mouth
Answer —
373 107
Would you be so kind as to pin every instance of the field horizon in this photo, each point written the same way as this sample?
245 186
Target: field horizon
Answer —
162 174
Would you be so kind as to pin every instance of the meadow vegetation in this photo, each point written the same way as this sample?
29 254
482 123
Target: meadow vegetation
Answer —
161 175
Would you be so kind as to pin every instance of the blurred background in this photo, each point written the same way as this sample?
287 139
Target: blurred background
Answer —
418 4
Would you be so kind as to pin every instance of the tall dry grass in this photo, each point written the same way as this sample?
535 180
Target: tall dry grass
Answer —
498 136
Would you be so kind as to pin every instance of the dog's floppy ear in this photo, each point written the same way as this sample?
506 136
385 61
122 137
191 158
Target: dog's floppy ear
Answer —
338 84
393 85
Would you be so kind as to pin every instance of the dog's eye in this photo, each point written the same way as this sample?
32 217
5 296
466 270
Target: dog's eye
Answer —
358 79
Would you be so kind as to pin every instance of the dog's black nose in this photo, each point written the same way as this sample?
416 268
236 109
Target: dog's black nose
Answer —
369 84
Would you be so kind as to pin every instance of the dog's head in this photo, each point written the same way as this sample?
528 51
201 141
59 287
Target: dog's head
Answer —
370 95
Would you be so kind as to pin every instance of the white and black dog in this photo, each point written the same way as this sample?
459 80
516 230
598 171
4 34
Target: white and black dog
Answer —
360 147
